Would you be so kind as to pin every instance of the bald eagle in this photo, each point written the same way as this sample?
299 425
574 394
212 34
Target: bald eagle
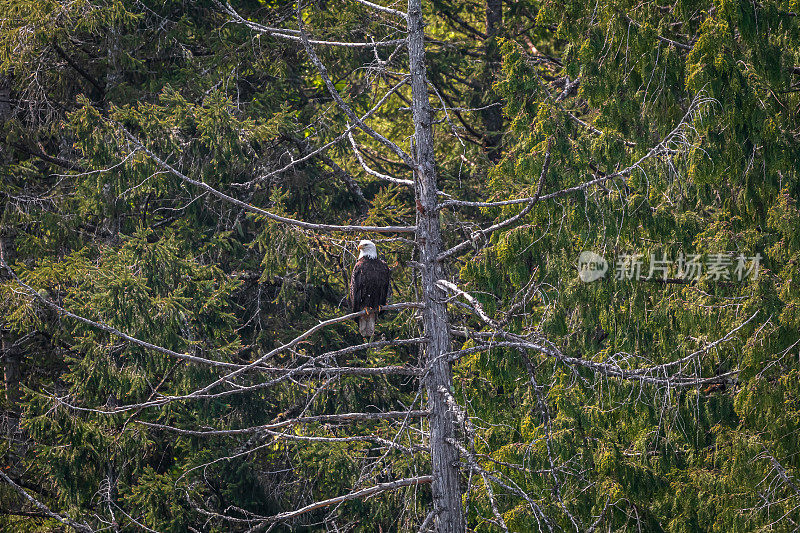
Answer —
369 286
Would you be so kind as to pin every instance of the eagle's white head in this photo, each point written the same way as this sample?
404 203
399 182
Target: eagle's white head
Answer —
367 249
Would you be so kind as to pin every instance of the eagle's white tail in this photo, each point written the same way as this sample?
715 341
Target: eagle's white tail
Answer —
366 324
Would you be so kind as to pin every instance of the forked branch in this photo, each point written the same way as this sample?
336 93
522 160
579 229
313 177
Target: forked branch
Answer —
323 72
664 146
376 489
253 209
253 367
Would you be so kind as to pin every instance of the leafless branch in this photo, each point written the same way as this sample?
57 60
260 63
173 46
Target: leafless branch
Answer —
323 72
346 371
294 35
661 148
33 294
366 167
427 522
655 374
80 526
780 470
381 487
253 209
383 9
237 370
381 442
338 171
477 235
507 484
599 519
369 345
465 422
109 329
327 145
476 305
343 417
288 345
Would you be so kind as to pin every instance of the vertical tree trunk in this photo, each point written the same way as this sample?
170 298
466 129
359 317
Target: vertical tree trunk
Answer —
439 380
492 116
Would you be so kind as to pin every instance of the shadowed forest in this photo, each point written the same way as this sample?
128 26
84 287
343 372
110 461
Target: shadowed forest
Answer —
589 212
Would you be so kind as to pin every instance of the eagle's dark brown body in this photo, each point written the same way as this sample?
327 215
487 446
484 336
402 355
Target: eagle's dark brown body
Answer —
369 288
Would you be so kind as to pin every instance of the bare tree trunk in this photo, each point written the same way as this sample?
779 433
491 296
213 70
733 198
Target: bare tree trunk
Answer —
492 116
439 380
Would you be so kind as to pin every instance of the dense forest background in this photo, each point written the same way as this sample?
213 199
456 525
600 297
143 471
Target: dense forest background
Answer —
153 310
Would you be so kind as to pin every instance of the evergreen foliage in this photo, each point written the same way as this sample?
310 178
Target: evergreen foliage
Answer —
687 116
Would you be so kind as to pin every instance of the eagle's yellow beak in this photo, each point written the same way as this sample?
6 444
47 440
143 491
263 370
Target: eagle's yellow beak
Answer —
359 247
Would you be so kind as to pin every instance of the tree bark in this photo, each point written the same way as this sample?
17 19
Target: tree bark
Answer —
438 380
492 116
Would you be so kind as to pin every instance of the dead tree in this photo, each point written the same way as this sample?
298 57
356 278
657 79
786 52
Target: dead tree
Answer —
439 381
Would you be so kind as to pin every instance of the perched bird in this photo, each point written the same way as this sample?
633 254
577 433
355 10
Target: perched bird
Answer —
369 286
